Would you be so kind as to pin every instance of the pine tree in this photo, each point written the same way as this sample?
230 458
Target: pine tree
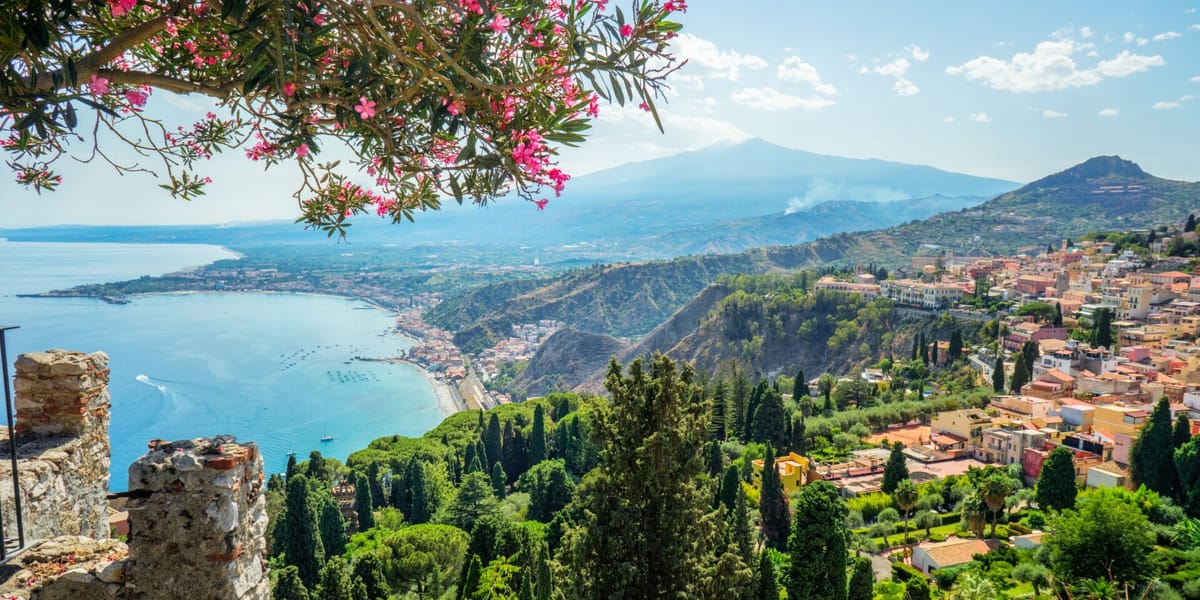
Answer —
491 441
498 480
1182 432
772 504
717 415
740 391
369 570
537 440
470 579
1056 486
302 545
288 585
475 499
862 579
895 470
956 344
1151 461
766 585
818 545
363 505
998 374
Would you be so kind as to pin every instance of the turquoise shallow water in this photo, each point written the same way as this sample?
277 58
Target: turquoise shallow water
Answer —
276 369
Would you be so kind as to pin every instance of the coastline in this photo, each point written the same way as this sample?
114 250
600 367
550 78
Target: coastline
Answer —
449 401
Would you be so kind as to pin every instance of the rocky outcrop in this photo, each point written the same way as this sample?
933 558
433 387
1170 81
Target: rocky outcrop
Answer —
62 412
68 568
565 360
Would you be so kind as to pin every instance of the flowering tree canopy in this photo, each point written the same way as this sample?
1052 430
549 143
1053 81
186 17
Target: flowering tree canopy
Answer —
469 99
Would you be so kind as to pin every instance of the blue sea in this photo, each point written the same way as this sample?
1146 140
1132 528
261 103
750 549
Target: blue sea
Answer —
276 369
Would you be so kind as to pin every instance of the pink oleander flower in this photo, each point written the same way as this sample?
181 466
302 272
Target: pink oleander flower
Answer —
137 97
500 23
318 20
302 150
541 203
644 106
365 108
98 85
601 4
627 30
120 7
289 89
454 107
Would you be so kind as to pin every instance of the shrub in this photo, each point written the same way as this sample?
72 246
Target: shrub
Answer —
903 572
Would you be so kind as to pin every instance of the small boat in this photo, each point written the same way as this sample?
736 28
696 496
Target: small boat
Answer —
291 452
327 437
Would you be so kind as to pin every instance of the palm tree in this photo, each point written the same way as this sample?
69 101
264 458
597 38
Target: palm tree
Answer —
994 490
1097 589
973 586
974 513
905 497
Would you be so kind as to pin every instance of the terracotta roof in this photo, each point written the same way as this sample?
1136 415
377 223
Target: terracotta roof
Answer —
955 552
1111 467
946 439
1058 375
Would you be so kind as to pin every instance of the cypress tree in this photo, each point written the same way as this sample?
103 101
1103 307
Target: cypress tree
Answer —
398 498
1190 225
369 570
766 585
1058 316
731 483
756 400
469 454
377 495
799 435
772 504
955 351
543 582
1056 487
1020 375
1182 432
526 592
1187 465
470 579
933 353
332 527
862 579
317 469
770 421
738 413
491 440
1102 328
998 374
895 470
288 585
1151 459
818 545
537 440
714 461
915 345
737 523
291 466
302 545
363 504
418 510
799 386
828 408
498 480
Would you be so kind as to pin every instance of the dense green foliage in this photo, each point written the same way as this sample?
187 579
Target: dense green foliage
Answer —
1056 487
1104 538
818 545
772 505
1151 460
895 470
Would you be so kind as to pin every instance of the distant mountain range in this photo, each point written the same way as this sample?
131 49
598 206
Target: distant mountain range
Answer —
627 300
724 198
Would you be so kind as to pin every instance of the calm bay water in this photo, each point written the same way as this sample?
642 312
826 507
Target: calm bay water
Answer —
276 369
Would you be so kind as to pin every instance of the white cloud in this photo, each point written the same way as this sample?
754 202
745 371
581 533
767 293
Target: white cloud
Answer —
949 120
1142 41
1186 98
1086 32
1195 27
1195 79
1053 114
1050 67
981 117
1167 35
794 69
1164 105
896 69
771 99
1108 112
918 54
1128 37
722 64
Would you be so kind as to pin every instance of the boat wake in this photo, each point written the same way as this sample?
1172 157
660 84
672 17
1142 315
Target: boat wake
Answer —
146 380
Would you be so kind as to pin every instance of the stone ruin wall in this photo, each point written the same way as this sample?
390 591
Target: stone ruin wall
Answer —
62 411
197 508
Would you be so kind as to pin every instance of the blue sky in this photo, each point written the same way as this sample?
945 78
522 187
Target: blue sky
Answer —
1015 90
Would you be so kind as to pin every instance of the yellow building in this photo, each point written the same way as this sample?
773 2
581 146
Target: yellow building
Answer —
793 471
1116 418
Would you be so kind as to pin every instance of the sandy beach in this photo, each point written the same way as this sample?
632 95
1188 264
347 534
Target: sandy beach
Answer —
449 401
